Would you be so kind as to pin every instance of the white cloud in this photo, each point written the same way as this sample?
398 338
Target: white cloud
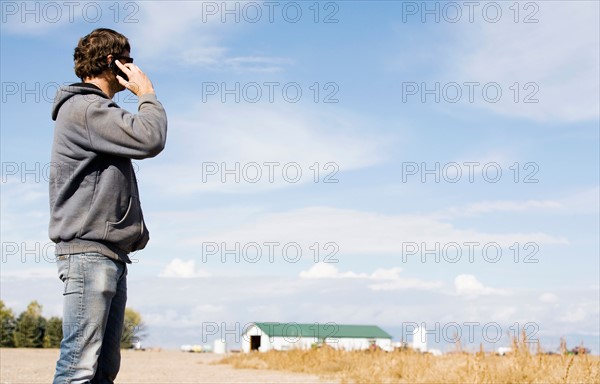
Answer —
257 63
328 271
266 146
217 58
203 56
584 200
182 269
575 315
505 314
188 33
191 317
559 54
161 33
24 221
585 310
484 207
29 273
358 232
385 279
201 309
174 25
548 298
406 283
469 287
171 318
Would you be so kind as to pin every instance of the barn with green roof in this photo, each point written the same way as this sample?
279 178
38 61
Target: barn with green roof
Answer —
284 336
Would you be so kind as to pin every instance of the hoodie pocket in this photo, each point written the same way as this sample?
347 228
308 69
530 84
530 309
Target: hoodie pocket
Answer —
129 229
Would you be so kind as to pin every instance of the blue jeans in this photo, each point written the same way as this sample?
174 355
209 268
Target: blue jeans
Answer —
95 294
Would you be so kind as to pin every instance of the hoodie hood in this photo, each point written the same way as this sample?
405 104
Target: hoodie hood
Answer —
64 93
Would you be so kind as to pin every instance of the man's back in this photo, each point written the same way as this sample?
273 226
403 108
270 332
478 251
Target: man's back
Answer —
94 199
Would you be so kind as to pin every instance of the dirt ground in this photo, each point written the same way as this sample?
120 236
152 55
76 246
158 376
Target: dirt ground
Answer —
166 366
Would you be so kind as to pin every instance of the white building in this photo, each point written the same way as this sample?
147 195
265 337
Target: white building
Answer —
284 336
419 342
420 339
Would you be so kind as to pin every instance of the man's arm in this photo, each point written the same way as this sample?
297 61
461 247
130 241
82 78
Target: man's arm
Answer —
115 131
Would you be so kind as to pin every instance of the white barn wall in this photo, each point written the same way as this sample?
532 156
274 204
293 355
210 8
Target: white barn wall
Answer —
287 343
350 344
253 330
280 343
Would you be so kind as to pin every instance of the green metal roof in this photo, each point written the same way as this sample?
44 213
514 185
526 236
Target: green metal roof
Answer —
322 330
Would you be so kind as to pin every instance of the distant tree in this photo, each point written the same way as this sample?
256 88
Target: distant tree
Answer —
134 328
31 327
7 326
53 334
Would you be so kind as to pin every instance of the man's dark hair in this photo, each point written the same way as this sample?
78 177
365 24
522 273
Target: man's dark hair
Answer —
92 50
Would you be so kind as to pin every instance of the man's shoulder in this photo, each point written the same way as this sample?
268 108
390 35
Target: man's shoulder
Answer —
87 104
84 100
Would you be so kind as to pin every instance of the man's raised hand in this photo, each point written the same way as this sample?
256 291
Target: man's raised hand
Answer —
138 82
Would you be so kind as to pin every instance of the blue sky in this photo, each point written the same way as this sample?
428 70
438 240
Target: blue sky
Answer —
371 131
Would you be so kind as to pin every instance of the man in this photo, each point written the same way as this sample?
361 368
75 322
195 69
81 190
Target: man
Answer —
95 215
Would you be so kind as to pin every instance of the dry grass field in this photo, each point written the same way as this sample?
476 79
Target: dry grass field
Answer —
318 366
412 367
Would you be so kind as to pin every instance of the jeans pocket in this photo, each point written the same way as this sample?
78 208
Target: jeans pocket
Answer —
68 273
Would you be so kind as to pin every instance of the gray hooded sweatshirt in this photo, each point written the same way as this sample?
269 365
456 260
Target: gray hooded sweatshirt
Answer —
94 199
